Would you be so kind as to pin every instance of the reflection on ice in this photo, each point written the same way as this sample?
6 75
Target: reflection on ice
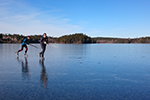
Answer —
43 76
25 69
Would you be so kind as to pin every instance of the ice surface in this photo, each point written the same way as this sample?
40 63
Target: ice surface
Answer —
76 72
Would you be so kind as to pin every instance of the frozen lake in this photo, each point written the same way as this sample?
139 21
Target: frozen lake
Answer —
76 72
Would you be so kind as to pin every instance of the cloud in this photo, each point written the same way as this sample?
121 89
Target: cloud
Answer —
20 18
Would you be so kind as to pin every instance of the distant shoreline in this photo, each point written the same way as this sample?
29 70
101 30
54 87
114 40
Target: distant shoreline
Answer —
77 38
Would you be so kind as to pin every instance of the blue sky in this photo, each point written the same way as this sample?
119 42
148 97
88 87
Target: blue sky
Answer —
95 18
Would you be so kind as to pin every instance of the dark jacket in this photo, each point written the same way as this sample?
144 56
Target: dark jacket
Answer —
42 40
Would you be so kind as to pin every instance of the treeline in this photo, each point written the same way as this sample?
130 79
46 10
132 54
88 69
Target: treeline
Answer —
76 38
16 38
122 40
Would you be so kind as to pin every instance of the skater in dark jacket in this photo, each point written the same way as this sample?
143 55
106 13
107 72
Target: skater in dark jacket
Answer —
43 42
24 44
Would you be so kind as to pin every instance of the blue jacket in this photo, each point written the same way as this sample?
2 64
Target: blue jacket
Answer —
25 41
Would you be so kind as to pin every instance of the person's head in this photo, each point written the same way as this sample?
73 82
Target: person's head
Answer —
28 37
44 35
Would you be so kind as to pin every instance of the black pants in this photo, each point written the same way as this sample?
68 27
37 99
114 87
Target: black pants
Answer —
43 46
23 47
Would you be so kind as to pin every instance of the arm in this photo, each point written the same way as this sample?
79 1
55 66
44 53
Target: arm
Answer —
24 41
41 40
28 41
46 40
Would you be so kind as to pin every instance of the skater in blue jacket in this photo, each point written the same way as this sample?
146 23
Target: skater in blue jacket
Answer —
24 44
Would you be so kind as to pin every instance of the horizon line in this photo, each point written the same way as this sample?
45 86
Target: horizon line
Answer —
76 33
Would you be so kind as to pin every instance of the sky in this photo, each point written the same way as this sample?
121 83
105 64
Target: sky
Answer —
95 18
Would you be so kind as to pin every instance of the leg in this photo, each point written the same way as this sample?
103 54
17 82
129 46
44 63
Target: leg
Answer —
43 50
21 48
26 49
44 47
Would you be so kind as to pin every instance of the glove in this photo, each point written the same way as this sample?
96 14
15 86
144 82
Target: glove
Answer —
44 42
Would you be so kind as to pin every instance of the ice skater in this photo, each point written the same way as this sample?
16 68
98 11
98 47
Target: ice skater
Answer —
43 42
24 45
